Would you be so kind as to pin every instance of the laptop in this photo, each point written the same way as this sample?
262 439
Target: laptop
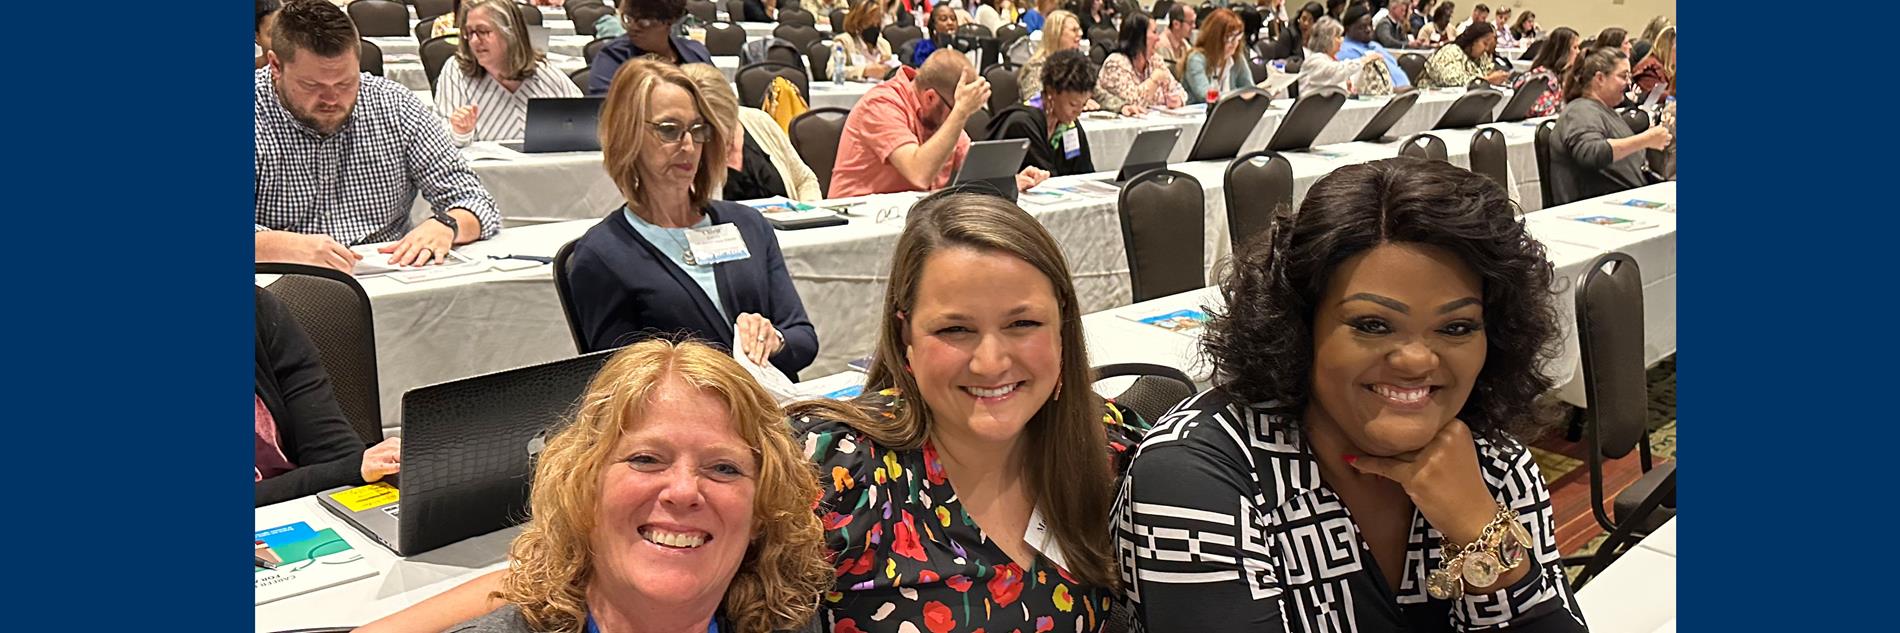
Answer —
1149 152
468 455
560 124
539 36
991 166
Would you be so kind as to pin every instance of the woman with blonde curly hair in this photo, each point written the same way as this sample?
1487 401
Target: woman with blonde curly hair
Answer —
675 501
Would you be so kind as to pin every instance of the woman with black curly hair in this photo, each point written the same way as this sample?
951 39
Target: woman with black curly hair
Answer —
1354 469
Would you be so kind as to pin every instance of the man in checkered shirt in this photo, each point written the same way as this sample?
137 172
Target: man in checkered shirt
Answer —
340 155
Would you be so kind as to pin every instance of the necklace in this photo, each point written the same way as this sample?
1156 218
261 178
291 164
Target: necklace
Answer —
686 248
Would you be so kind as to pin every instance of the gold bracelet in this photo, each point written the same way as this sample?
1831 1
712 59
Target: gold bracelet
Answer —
1498 550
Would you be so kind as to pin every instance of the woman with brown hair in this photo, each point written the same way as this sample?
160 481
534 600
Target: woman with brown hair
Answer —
497 71
970 487
1555 58
1595 153
1216 64
867 56
647 268
675 500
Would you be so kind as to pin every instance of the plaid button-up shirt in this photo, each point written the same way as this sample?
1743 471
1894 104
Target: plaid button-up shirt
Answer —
358 184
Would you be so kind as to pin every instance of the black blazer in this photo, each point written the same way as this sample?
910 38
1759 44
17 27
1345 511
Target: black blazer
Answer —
311 428
1029 122
625 290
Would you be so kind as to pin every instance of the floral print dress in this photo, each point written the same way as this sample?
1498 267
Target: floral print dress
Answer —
910 560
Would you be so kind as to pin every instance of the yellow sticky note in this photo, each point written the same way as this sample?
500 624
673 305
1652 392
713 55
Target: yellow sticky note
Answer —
363 498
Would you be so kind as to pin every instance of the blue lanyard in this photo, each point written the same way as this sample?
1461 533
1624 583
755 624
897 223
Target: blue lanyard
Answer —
712 626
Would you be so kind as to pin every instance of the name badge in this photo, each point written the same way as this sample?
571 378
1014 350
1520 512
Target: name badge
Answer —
1037 536
716 244
1071 143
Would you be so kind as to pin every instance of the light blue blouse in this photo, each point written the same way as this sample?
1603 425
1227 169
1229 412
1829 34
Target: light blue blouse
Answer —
1197 81
673 243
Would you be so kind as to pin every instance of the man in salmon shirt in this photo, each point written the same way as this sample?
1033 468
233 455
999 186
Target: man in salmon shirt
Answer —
906 134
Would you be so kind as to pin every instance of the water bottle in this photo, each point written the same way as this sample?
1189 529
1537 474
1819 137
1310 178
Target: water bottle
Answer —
837 63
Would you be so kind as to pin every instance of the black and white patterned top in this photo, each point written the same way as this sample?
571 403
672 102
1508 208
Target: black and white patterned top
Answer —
1225 525
357 185
499 114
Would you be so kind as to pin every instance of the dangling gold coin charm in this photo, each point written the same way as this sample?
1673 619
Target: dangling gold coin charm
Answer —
1517 533
1481 569
1443 585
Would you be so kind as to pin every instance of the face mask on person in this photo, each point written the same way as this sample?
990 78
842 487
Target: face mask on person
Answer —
870 35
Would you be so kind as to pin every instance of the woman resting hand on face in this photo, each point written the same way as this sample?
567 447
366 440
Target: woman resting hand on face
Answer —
1372 360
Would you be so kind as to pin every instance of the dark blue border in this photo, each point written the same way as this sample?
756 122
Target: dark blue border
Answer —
1787 360
129 315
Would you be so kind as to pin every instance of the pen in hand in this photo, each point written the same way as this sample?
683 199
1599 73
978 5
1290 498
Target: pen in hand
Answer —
531 258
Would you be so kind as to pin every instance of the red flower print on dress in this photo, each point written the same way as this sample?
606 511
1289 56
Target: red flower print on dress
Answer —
904 541
924 576
959 582
938 618
860 566
1045 623
1006 585
834 520
933 469
847 625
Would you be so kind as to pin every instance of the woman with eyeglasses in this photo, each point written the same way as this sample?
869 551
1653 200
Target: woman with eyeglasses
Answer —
649 26
499 71
1216 64
673 261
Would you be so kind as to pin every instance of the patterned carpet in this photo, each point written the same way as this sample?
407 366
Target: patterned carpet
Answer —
1569 475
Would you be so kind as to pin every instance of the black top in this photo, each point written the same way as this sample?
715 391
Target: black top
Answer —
608 60
755 177
1291 44
626 290
311 428
1226 526
1029 122
755 11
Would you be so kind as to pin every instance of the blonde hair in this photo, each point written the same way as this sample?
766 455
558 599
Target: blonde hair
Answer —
785 569
719 98
1052 27
1067 464
521 59
1664 50
624 130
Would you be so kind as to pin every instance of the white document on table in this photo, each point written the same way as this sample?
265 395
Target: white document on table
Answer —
769 377
489 151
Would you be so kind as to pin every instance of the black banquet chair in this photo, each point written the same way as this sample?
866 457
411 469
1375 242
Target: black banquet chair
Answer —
379 18
1258 186
335 312
1489 156
815 137
1156 389
369 57
1425 146
1161 215
754 79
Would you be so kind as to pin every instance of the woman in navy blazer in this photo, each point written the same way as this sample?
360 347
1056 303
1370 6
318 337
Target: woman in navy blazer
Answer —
633 275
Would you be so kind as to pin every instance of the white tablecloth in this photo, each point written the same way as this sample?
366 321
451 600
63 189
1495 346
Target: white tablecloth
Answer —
557 23
1109 138
513 319
756 30
1637 593
569 45
406 69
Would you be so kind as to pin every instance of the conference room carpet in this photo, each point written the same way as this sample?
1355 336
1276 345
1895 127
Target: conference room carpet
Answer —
1568 474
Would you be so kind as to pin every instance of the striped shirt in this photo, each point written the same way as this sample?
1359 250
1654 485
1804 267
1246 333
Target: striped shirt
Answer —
499 114
358 184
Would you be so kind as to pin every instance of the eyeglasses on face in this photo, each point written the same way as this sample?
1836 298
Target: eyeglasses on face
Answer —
672 132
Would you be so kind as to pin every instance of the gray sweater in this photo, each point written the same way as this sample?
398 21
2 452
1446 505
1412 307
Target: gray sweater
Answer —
1582 164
